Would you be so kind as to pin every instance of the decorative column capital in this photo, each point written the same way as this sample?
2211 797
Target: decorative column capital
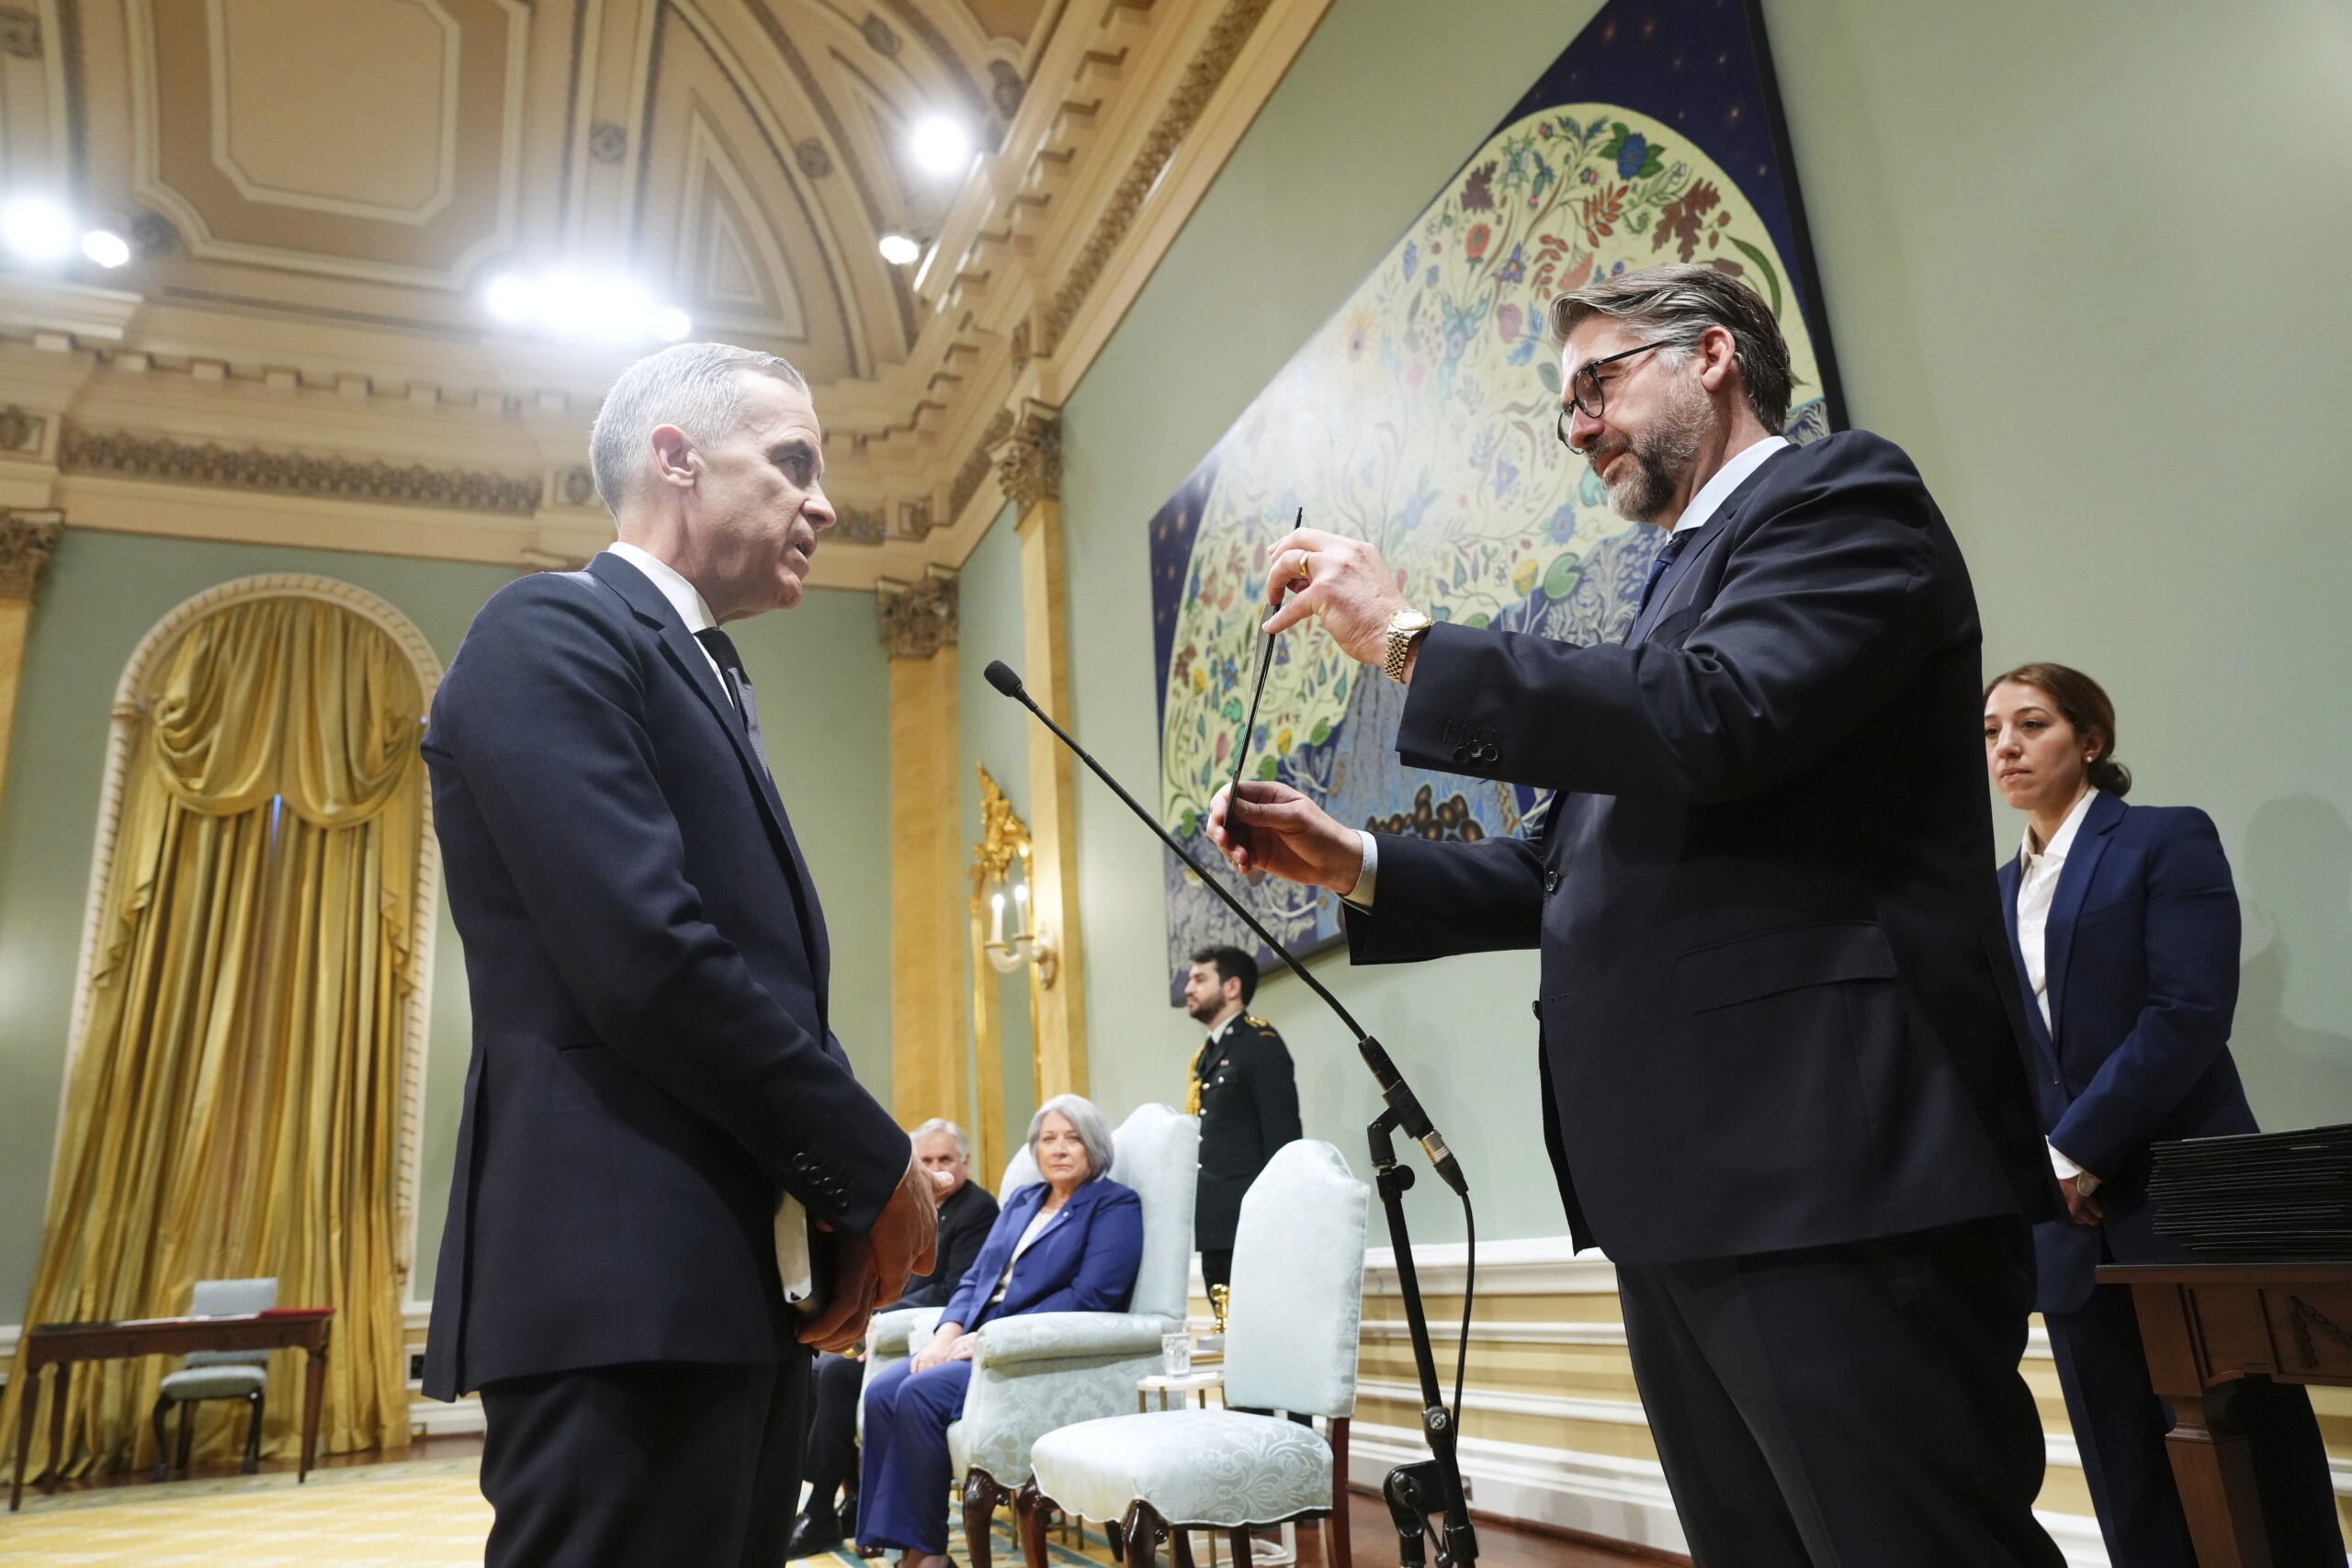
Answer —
1029 462
917 618
25 540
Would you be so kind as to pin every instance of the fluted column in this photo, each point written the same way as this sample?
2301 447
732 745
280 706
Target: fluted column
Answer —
1029 467
25 540
927 896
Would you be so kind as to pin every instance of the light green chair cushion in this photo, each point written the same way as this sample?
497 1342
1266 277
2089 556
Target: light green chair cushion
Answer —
1203 1468
213 1383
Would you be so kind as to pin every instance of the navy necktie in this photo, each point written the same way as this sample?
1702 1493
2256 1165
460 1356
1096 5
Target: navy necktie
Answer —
739 688
1659 565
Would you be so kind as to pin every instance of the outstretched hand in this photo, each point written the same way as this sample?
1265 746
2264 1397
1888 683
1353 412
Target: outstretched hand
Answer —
1275 828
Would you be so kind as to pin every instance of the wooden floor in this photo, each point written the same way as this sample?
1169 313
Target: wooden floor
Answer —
1372 1540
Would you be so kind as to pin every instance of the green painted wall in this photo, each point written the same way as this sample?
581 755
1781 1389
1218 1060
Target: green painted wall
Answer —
820 673
2085 262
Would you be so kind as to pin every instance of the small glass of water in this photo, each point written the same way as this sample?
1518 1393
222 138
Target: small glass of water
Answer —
1176 1353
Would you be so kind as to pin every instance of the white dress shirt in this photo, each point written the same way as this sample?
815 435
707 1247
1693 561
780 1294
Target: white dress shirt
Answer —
2038 874
792 1264
1698 515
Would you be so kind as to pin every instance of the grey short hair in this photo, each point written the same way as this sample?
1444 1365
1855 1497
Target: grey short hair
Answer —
1092 1131
694 386
939 1125
1677 303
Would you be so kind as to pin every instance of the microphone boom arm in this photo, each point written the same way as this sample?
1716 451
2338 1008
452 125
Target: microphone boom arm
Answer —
1425 1498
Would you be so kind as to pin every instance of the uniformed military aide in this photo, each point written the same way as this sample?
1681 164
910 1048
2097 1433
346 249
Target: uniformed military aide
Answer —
1244 1091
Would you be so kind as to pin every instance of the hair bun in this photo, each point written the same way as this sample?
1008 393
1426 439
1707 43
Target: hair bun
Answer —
2111 776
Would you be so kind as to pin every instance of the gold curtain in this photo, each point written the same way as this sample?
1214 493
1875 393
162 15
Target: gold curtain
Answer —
233 1109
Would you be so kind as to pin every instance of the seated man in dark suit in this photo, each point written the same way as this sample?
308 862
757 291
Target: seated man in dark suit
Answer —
1783 1063
966 1212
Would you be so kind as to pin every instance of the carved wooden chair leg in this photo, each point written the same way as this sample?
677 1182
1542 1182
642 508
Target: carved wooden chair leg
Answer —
1335 1545
163 1448
1031 1512
1179 1546
981 1496
1143 1536
187 1434
1240 1540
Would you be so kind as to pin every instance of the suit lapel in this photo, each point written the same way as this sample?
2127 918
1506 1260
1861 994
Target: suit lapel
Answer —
2075 884
688 657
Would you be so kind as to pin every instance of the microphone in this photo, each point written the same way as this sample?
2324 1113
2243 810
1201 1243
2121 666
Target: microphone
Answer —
1412 1119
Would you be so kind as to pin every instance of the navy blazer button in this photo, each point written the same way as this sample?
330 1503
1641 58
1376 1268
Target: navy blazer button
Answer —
1551 885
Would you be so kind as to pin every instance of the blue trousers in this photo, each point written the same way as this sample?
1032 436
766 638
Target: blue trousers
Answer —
903 1474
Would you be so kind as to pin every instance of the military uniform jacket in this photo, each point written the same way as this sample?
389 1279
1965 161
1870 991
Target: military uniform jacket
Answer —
1249 1109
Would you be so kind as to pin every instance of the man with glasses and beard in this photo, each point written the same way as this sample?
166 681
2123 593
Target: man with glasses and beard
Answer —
1784 1075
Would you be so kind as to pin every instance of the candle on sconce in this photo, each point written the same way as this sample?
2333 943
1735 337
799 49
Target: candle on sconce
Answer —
1021 916
996 928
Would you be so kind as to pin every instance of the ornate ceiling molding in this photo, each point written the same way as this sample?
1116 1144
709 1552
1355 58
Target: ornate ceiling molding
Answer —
115 456
937 383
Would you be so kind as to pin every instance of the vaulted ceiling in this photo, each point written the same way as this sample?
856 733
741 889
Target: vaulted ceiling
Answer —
318 192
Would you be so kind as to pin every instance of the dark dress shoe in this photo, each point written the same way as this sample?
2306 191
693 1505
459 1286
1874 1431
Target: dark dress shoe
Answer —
814 1534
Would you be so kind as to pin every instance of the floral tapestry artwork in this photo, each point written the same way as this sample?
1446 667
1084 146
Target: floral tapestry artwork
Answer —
1421 417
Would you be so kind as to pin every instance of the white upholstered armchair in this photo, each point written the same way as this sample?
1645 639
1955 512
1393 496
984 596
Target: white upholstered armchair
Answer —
1290 1345
1033 1373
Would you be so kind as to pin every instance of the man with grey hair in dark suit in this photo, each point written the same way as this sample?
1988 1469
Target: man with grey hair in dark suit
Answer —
669 1184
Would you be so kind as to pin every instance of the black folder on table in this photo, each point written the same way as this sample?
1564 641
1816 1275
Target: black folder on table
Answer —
2258 1197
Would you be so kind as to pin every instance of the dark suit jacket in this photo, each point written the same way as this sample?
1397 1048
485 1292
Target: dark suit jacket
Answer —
1085 1260
1249 1109
648 966
965 1222
1775 1009
2142 962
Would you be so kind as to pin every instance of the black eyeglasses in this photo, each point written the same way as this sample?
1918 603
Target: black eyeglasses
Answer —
1585 391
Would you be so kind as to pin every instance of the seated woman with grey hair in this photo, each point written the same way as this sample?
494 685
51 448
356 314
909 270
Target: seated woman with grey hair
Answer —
1070 1243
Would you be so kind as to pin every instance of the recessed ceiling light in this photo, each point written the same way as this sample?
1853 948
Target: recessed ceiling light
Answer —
36 229
941 145
897 250
106 247
510 298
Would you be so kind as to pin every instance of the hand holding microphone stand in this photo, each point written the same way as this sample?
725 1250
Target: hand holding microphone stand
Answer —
1426 1496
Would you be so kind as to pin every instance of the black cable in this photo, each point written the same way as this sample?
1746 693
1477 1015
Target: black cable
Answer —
1469 1294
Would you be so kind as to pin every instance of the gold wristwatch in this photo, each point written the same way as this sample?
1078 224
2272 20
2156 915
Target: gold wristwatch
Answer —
1406 627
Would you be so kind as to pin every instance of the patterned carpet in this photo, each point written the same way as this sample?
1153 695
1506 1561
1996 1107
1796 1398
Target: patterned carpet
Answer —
411 1514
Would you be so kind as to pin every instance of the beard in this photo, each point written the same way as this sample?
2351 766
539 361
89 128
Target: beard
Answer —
1662 455
1204 1013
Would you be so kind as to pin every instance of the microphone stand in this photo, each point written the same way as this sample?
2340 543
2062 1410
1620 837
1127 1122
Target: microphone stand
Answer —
1428 1495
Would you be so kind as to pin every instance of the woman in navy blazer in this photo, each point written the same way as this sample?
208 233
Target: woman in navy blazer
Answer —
1070 1243
2123 922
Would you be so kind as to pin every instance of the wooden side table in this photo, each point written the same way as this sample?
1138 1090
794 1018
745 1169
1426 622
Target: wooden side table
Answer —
1198 1382
2209 1327
59 1345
